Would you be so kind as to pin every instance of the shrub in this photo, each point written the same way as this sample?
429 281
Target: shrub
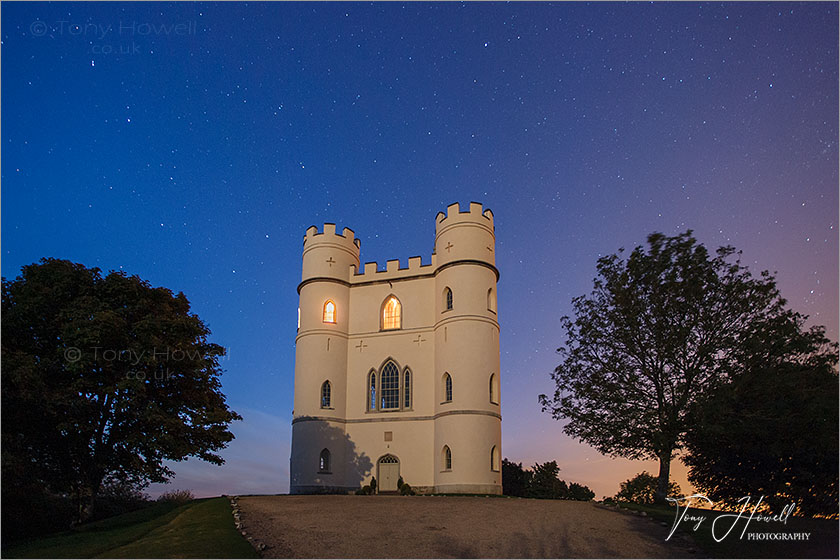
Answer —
373 485
406 490
364 490
176 496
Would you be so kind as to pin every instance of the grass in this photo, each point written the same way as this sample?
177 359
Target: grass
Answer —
822 542
198 529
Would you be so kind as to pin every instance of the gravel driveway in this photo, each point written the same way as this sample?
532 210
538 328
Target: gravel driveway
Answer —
450 527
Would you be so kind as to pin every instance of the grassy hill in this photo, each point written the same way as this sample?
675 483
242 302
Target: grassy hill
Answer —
198 529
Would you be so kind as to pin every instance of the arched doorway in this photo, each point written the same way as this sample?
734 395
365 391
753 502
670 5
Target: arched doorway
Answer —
388 473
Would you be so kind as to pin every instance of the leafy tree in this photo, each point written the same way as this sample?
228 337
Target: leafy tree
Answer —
515 479
545 482
580 492
641 489
541 482
103 379
659 329
771 429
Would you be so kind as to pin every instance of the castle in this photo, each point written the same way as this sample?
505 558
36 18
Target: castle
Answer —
397 371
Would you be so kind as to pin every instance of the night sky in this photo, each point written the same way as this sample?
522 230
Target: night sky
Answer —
193 144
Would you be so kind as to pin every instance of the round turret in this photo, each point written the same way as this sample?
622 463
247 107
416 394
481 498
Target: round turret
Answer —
467 414
329 259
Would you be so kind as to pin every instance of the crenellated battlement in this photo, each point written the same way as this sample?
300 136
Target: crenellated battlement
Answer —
346 237
370 271
454 215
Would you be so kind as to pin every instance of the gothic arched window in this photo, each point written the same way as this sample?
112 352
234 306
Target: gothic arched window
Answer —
391 314
372 391
325 394
407 388
324 461
329 312
389 383
447 299
447 387
493 396
446 458
494 459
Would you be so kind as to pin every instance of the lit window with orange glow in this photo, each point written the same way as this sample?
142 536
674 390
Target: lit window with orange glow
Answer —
391 314
329 312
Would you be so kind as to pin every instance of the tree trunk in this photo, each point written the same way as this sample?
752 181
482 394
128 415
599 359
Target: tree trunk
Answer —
84 505
664 477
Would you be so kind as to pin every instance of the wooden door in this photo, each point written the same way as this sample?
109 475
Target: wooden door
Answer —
389 474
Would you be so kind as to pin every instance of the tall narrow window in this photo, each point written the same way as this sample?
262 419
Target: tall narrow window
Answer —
324 461
491 300
392 314
407 388
447 458
390 387
329 312
325 394
298 318
493 397
447 299
447 387
372 391
494 459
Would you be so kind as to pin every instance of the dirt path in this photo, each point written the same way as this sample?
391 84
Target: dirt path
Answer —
449 527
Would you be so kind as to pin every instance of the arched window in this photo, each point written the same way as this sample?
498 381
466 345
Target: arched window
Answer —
324 461
407 388
325 394
298 318
493 397
494 459
389 381
447 299
391 314
491 300
372 391
329 312
446 458
447 387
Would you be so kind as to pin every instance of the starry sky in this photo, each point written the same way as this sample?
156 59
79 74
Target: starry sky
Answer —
193 143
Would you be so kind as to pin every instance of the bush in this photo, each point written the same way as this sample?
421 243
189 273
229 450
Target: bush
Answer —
373 485
364 490
117 498
176 496
406 490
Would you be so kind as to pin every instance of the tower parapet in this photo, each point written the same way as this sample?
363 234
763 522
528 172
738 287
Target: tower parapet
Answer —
329 254
466 235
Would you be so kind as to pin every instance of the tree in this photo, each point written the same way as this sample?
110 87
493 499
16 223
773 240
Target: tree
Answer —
103 379
580 492
641 489
540 482
771 429
515 479
658 330
546 484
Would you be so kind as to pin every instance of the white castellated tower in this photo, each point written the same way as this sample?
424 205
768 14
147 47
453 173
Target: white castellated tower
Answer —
397 371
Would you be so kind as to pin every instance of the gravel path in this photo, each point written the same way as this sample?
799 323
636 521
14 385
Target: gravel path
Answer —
450 527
